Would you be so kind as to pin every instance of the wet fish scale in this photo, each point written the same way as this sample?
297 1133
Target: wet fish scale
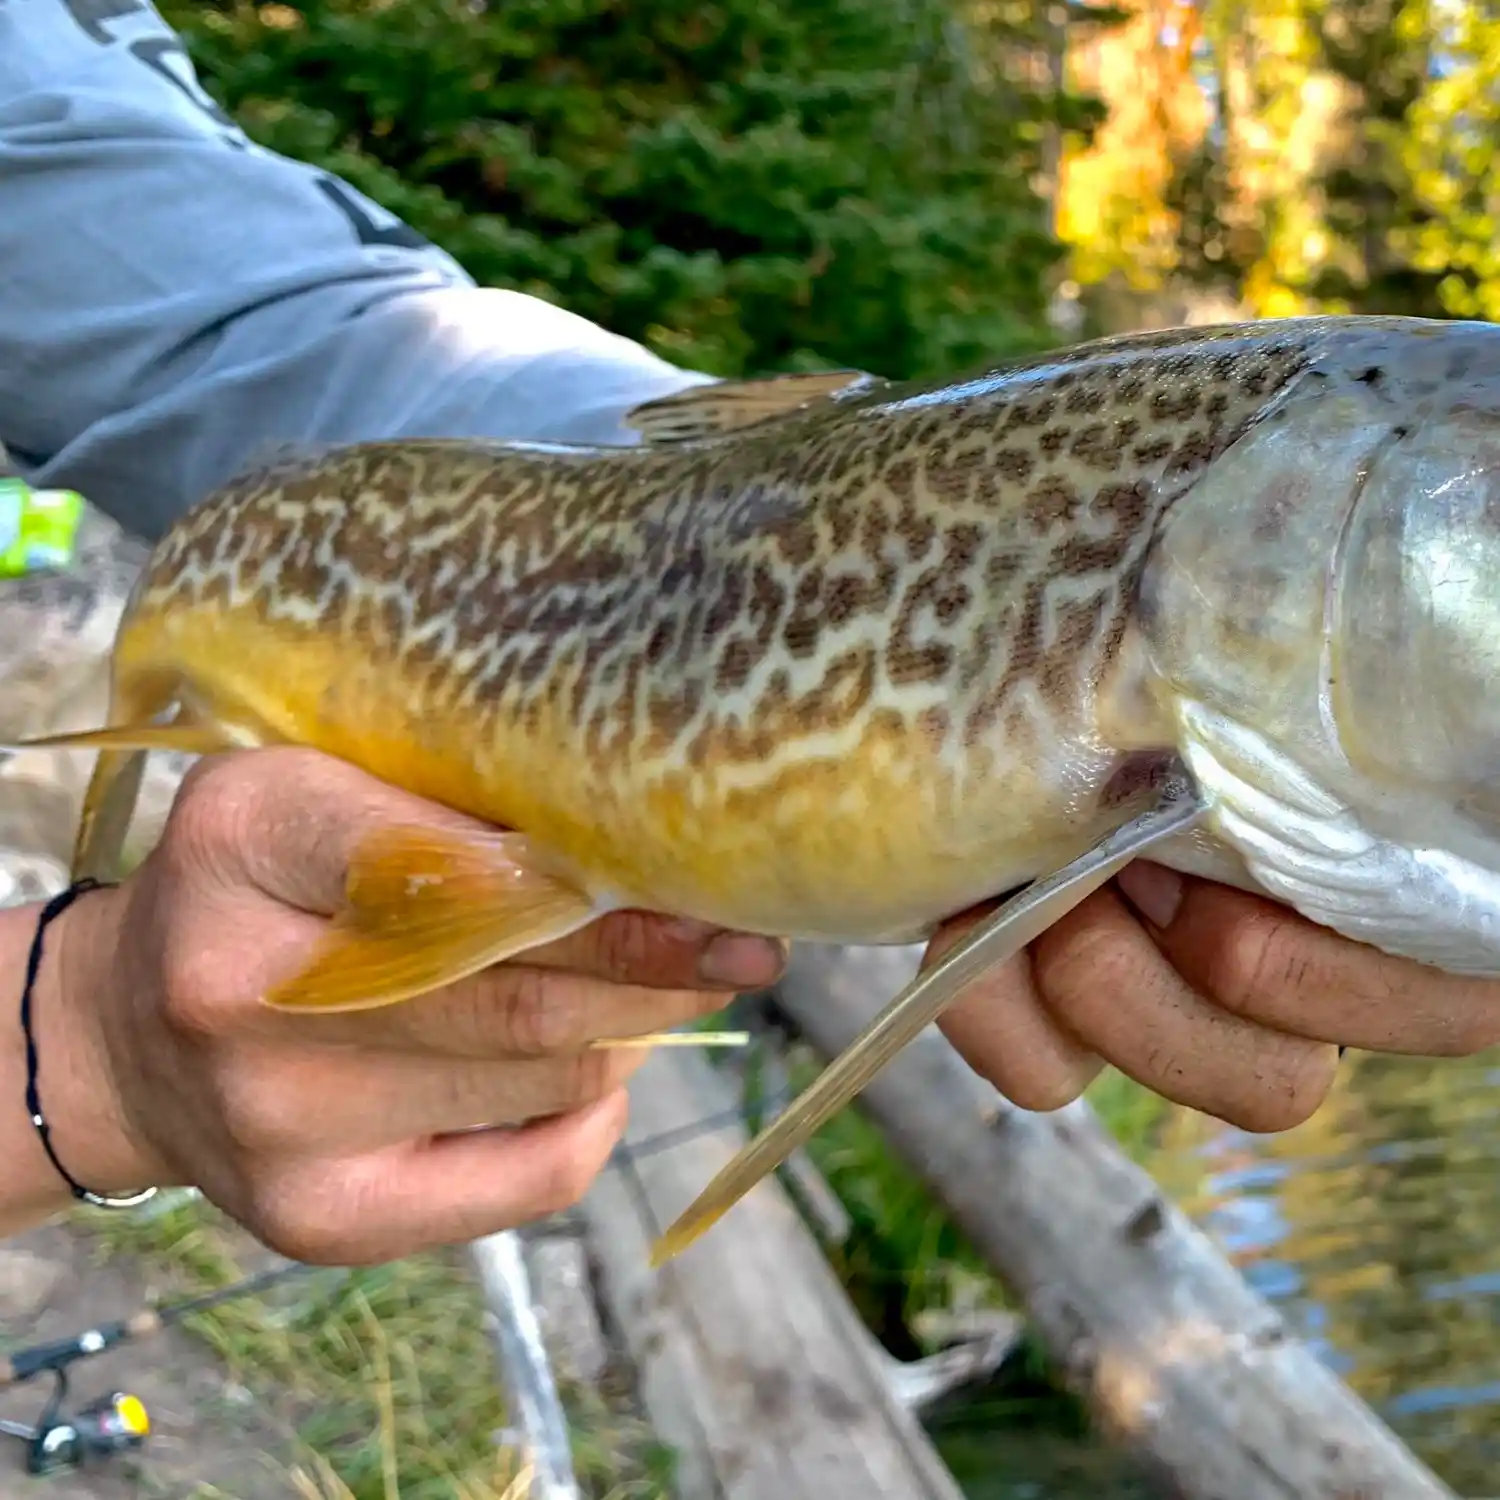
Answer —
559 620
831 658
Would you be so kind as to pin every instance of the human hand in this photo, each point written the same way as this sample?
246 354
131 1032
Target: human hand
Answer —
331 1137
1212 997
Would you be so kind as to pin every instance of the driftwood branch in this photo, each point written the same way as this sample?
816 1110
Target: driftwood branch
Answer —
1140 1313
751 1361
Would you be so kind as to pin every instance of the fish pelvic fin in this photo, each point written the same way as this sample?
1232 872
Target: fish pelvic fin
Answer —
114 786
426 907
1010 928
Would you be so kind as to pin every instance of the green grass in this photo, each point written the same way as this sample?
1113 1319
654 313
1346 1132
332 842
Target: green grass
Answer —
386 1378
905 1255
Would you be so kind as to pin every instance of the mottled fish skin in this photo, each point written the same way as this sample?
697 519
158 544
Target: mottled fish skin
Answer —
842 674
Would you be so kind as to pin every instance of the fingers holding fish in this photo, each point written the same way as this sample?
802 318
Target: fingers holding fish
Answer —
1102 976
639 948
1004 1031
1263 962
283 821
388 1204
212 1087
423 896
287 1103
512 1011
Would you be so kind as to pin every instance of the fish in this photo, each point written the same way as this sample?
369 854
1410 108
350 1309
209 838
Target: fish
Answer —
835 658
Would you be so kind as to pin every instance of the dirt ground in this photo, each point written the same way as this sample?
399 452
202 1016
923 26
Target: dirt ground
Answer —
209 1437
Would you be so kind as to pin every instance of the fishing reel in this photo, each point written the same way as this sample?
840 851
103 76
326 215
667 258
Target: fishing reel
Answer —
114 1424
119 1422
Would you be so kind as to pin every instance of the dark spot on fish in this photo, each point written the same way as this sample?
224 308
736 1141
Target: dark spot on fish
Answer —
1014 465
933 724
736 663
658 645
1152 451
963 544
1052 502
1135 773
841 598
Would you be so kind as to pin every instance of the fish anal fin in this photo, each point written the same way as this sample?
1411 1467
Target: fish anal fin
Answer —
427 907
186 739
139 703
115 783
1019 921
708 411
109 804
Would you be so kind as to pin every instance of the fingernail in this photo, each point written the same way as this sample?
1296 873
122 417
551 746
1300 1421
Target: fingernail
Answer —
1154 891
737 958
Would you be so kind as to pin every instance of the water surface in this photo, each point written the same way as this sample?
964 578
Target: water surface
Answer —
1374 1229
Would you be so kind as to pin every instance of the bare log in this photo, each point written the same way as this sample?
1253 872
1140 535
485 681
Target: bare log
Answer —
751 1362
563 1291
1140 1313
531 1398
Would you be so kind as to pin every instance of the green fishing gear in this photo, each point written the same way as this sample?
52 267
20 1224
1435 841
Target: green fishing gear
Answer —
38 528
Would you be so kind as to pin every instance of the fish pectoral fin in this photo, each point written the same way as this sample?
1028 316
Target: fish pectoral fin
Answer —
428 906
1010 928
188 739
708 411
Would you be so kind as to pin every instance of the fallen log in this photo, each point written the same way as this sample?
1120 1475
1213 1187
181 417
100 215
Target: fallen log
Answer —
750 1361
1140 1314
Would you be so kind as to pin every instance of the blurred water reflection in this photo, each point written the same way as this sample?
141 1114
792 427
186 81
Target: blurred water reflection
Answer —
1375 1230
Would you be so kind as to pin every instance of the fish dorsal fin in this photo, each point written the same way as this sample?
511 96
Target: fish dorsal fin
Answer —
709 411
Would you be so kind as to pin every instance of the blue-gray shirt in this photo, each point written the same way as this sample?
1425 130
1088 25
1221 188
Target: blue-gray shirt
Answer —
175 301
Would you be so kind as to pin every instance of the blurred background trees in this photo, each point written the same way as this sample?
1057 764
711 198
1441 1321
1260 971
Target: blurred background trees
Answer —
744 185
910 186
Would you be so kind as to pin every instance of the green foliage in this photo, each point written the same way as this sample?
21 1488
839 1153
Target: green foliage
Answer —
743 185
1381 52
1356 66
1451 150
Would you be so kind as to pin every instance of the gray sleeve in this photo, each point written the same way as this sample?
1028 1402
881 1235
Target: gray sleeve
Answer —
175 301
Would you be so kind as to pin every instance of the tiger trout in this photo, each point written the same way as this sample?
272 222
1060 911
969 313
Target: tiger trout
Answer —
827 657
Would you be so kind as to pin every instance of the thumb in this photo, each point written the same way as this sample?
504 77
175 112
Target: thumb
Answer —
285 821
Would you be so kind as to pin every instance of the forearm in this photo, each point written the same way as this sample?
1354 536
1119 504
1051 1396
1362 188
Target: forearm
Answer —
76 1094
176 302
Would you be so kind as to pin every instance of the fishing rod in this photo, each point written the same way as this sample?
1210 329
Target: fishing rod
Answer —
117 1422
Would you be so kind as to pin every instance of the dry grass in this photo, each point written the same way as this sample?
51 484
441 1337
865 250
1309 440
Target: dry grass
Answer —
383 1377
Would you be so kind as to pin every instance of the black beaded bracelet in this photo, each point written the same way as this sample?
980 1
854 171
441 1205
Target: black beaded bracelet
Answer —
50 912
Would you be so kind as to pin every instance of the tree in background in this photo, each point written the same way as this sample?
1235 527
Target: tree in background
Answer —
743 185
1113 208
1300 155
1451 151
